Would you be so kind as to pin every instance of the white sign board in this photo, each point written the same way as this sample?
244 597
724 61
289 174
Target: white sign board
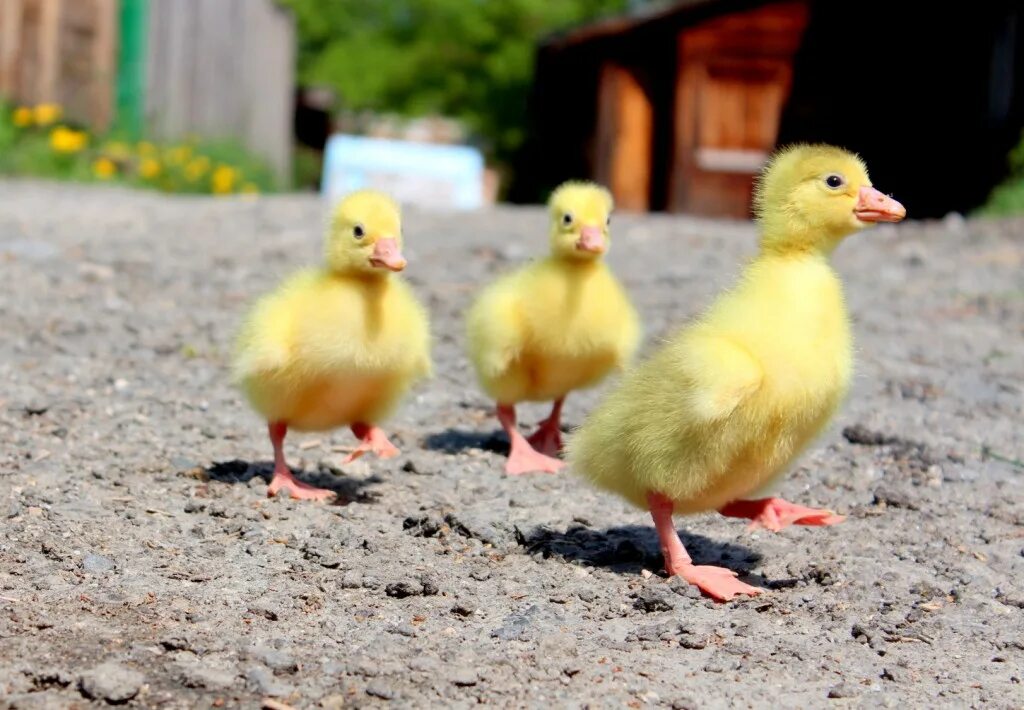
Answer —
425 174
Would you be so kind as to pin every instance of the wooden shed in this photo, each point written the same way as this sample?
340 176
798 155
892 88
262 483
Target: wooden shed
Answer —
162 69
677 108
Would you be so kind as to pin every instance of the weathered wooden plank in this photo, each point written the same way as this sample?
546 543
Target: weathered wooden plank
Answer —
215 79
268 78
46 83
223 68
172 29
79 15
625 134
157 51
60 51
25 65
104 64
11 12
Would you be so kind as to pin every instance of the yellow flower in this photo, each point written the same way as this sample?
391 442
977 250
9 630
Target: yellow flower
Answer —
196 168
146 148
66 140
149 168
251 188
179 155
223 180
22 117
104 168
47 114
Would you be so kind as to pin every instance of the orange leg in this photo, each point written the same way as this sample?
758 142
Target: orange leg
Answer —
283 479
373 439
717 582
775 514
548 437
522 457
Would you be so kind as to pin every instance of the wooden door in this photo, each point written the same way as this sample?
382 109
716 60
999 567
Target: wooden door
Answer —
734 77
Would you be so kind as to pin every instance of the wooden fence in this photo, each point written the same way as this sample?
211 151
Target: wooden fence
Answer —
173 68
222 68
61 51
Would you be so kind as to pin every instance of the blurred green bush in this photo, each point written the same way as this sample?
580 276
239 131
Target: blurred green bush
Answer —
467 59
1008 198
35 142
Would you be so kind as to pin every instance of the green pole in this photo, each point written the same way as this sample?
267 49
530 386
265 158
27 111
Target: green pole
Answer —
131 69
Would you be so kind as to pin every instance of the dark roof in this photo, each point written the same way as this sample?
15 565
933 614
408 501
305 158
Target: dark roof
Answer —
657 16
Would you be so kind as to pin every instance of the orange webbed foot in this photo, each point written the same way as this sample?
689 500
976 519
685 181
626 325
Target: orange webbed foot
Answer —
775 514
717 582
296 488
373 440
523 459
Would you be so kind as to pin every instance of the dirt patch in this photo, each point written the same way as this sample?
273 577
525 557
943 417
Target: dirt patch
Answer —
142 563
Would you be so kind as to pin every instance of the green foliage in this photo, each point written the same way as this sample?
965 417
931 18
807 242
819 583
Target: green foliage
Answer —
33 142
1008 198
471 59
306 166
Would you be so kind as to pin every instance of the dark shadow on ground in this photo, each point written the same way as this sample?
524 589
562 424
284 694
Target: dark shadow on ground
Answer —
454 440
348 490
628 549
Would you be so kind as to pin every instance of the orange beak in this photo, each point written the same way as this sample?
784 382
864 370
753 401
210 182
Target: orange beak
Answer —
591 240
873 206
387 255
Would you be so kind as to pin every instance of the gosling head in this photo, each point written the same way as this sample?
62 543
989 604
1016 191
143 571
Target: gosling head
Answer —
365 235
810 197
580 219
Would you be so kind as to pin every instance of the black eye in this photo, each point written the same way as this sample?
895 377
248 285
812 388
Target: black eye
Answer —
567 219
358 232
834 181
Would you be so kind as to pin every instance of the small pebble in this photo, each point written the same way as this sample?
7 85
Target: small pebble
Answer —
653 599
96 564
401 590
35 409
111 682
263 681
844 690
377 689
464 677
200 675
721 664
276 660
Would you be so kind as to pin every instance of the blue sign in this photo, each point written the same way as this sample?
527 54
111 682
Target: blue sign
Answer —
426 174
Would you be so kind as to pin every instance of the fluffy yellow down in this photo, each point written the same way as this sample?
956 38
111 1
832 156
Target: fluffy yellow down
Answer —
728 402
339 344
559 324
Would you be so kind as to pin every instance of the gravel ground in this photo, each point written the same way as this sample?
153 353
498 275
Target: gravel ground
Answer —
142 563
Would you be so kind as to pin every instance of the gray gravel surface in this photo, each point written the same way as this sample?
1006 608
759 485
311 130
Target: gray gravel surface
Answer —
142 563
